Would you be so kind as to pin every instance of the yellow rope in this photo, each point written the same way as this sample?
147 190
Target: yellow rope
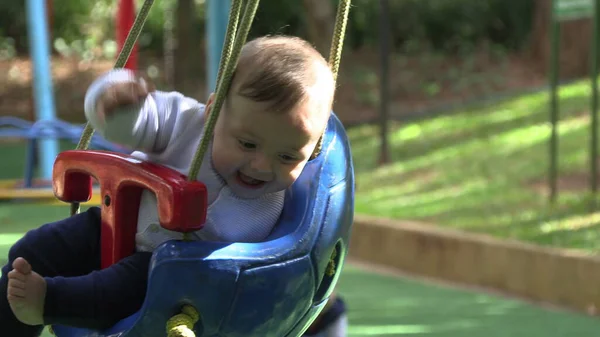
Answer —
232 27
182 325
223 84
134 33
339 31
335 53
331 266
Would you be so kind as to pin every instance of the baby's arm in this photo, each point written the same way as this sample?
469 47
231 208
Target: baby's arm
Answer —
146 126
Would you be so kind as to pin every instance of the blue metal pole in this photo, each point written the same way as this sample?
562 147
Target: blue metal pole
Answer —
217 15
42 80
30 163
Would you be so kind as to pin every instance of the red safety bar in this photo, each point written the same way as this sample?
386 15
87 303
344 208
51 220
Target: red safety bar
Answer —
181 204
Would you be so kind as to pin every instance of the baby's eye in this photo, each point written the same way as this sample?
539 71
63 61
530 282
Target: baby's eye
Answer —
247 145
287 158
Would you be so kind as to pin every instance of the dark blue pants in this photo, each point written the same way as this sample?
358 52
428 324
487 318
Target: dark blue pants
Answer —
327 317
67 254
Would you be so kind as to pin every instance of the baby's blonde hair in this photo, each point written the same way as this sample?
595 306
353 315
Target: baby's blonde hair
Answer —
283 70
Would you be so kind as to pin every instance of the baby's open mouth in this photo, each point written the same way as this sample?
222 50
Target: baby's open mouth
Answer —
248 181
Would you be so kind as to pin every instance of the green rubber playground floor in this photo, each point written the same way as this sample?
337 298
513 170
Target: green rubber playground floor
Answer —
387 306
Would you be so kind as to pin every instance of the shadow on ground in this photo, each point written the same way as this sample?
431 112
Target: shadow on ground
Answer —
387 306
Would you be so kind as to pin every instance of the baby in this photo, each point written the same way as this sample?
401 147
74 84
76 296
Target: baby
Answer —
276 109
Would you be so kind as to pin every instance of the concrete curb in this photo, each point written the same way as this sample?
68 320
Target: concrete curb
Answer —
560 277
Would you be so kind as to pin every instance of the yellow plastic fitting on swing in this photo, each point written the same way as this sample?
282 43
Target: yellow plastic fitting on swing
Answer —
182 325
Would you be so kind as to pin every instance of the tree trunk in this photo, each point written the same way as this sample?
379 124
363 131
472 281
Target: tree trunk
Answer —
384 84
320 18
169 43
575 43
187 48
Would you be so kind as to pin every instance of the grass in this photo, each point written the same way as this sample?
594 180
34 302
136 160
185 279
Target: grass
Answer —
16 219
471 171
381 305
474 171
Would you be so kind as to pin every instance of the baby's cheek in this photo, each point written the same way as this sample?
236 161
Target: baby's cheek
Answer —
222 162
287 176
293 173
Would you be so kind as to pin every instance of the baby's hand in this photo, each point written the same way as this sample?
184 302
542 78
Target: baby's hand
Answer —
120 95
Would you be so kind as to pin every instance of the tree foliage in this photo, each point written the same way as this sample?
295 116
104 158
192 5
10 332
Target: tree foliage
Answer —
445 25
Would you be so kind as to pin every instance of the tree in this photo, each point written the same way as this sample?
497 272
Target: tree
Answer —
186 46
575 37
320 20
384 76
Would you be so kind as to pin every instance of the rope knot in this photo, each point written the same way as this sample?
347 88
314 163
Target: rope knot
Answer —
182 324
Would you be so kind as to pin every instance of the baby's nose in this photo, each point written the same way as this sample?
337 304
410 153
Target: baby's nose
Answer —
261 165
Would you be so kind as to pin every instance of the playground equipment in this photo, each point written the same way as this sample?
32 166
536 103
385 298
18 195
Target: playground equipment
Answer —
42 84
124 22
16 128
271 288
217 12
47 130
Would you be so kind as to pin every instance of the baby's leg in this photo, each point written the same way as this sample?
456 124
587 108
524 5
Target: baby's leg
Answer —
100 299
68 247
332 321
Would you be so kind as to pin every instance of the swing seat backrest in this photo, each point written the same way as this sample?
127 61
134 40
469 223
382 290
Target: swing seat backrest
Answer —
272 288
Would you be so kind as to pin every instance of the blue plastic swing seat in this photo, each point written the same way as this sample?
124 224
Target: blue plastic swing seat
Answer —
272 288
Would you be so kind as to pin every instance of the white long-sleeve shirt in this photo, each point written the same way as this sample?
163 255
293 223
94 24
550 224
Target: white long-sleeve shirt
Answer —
166 129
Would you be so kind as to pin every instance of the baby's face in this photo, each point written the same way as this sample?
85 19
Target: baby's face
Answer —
257 151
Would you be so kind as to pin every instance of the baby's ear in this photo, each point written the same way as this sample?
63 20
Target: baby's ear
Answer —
211 99
209 103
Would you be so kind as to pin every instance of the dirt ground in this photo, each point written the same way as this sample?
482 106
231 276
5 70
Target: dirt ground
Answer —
416 83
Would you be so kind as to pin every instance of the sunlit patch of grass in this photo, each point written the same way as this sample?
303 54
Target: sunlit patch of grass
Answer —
473 170
470 170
